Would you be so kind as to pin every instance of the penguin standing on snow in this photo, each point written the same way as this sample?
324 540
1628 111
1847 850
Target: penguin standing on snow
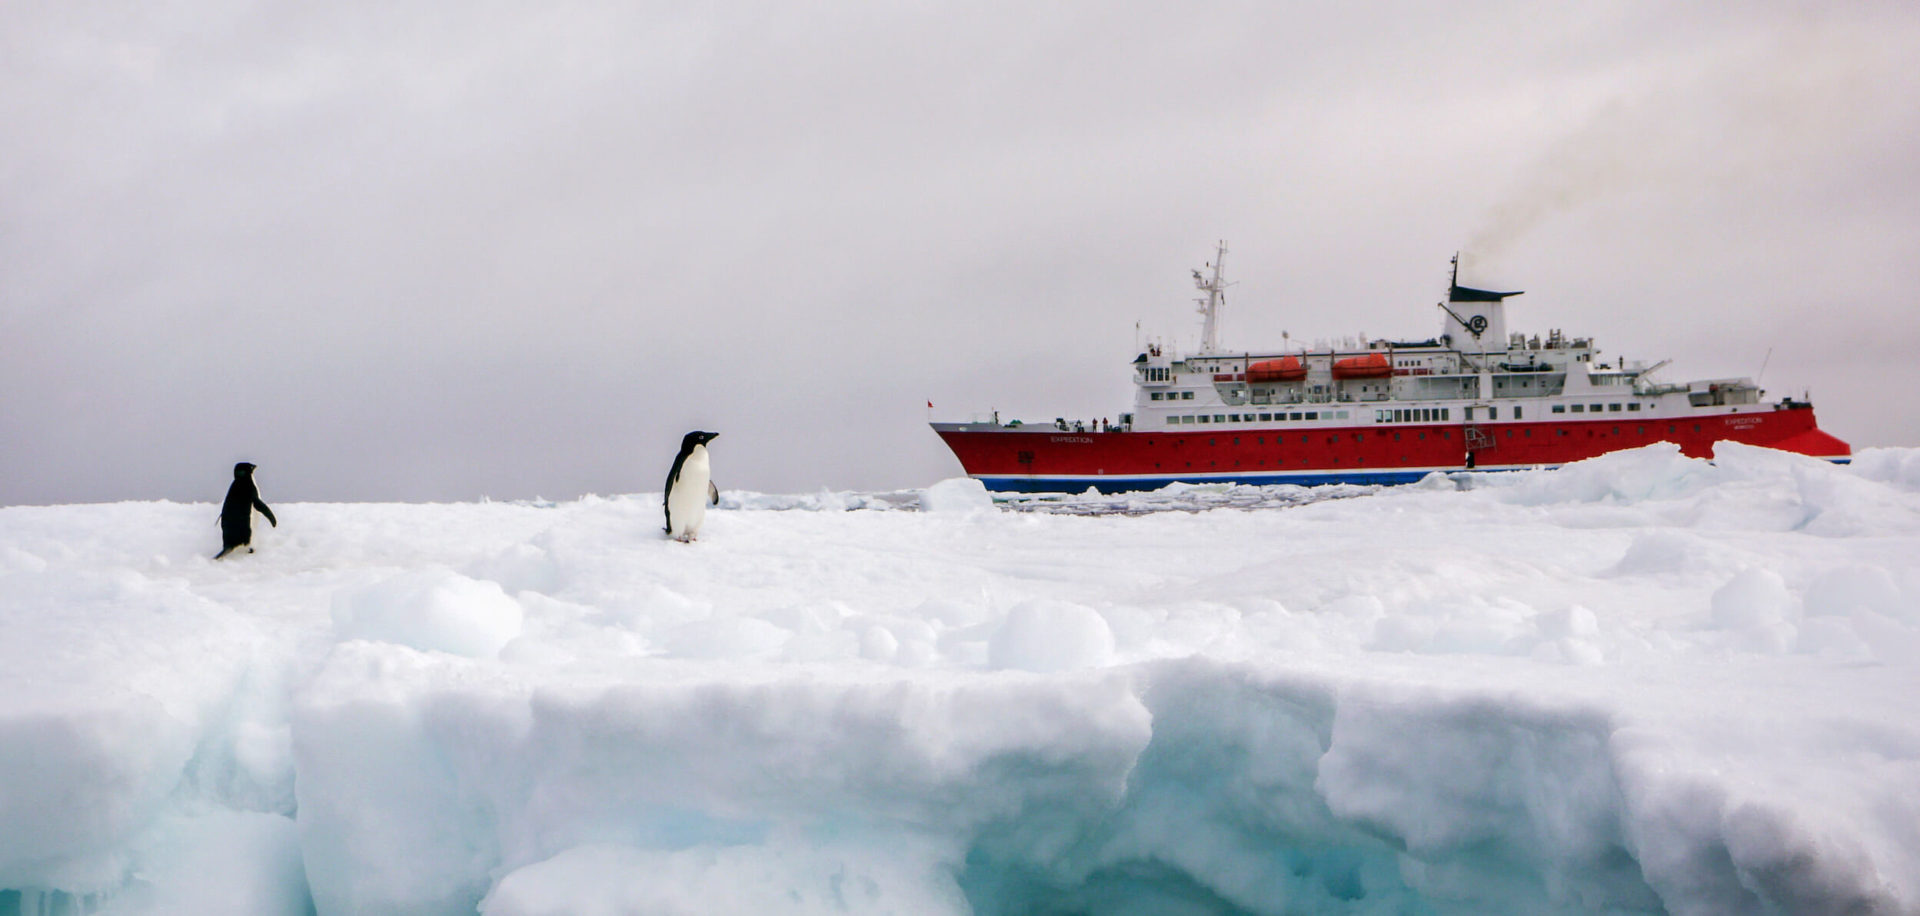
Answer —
690 487
236 514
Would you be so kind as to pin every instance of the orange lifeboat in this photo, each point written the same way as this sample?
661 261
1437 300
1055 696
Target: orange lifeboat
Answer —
1372 365
1284 369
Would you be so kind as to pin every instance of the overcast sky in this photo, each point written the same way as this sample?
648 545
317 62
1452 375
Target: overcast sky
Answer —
439 251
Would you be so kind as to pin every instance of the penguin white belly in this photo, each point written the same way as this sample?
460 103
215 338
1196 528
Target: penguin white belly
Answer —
687 504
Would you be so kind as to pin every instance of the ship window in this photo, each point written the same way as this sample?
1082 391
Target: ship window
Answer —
1312 415
1396 437
1613 407
1579 408
1233 418
1379 416
1204 418
1266 416
1186 395
1155 396
1397 415
1559 408
1516 412
1219 418
1446 413
1634 406
1493 413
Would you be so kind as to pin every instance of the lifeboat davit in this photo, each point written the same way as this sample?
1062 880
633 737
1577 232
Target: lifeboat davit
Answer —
1372 365
1284 369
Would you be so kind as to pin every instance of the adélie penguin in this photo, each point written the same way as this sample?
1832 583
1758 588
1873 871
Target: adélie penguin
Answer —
236 513
690 487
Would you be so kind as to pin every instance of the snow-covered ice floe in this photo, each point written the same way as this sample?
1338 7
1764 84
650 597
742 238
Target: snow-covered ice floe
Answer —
1639 684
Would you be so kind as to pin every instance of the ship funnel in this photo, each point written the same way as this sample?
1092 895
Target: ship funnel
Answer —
1476 319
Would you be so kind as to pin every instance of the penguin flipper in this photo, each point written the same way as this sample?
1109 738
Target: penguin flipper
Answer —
258 504
666 492
713 494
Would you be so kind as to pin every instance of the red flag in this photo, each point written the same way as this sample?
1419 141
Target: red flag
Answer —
929 405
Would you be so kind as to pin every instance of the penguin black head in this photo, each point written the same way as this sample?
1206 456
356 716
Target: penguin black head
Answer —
242 470
694 438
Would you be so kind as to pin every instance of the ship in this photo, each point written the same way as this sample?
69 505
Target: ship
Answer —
1475 397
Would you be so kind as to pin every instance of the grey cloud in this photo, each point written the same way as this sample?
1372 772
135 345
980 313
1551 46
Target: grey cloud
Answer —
418 251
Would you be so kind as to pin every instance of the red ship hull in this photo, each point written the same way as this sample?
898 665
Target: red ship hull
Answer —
1047 459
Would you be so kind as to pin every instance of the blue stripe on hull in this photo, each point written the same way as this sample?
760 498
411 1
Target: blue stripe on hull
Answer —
1129 484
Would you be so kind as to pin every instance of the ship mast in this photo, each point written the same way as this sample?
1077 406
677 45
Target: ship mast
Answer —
1216 290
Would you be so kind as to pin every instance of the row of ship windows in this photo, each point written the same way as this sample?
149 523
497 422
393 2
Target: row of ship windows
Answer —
1258 417
1596 408
1419 415
1402 415
1672 428
1172 395
1431 414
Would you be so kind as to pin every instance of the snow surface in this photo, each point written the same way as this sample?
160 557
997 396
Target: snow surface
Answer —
1643 683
